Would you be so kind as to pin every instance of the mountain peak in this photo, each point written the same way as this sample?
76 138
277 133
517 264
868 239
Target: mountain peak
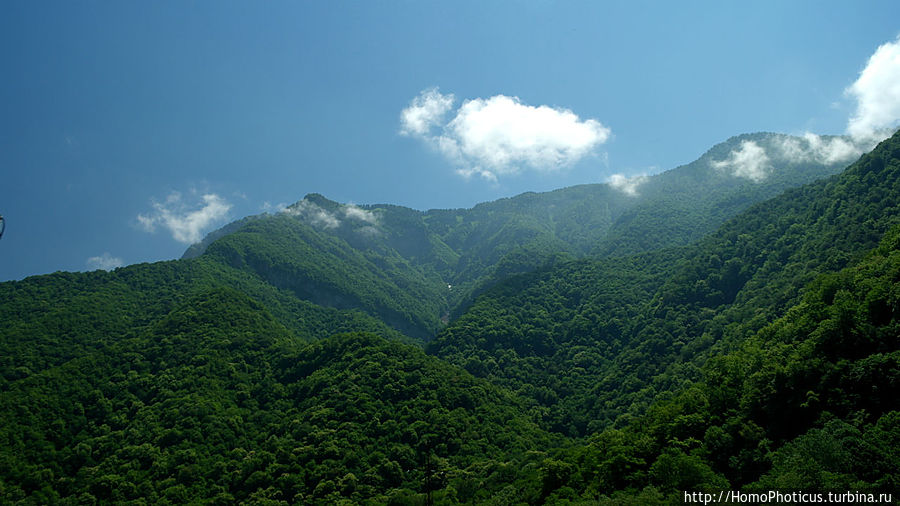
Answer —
319 200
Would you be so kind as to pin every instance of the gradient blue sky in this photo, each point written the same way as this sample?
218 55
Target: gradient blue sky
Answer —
123 121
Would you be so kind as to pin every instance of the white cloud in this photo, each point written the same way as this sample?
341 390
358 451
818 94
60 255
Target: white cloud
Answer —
356 213
187 224
424 112
319 217
815 148
750 161
105 262
792 149
500 135
755 162
369 231
877 94
313 214
275 208
877 115
627 185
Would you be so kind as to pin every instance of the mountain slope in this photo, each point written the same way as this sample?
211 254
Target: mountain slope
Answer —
683 205
53 319
216 401
271 366
808 402
289 254
414 269
646 323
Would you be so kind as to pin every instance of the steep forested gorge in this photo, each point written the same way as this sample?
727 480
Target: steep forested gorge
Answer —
709 332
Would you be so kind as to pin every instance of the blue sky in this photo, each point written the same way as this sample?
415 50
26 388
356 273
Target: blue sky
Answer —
129 129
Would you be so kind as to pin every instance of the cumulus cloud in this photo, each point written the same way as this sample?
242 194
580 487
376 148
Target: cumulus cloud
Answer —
627 185
877 95
105 262
500 135
357 213
749 161
313 214
187 223
425 112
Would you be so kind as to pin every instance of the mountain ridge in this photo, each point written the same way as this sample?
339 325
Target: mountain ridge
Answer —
469 250
697 168
617 378
676 303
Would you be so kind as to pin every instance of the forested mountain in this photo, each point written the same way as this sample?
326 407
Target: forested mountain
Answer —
807 403
216 400
619 338
645 321
715 326
411 268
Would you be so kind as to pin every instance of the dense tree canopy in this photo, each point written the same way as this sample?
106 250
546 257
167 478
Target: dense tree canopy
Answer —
574 347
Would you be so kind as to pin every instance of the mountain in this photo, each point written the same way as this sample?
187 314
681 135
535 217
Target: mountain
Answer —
612 334
217 401
725 362
730 323
806 403
413 269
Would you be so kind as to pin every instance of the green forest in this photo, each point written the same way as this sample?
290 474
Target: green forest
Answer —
581 346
